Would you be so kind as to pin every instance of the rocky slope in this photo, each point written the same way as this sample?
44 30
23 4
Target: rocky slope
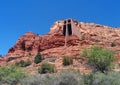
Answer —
52 44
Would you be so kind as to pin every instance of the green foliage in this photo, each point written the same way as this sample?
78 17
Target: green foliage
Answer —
9 81
67 61
38 58
88 79
11 72
83 37
66 77
47 68
113 44
101 59
10 59
84 52
111 78
23 63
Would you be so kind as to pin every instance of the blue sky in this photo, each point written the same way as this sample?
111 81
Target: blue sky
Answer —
20 16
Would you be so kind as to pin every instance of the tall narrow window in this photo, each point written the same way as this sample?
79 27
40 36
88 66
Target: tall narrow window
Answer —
69 29
64 30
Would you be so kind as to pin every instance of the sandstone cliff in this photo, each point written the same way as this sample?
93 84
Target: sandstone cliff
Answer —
53 43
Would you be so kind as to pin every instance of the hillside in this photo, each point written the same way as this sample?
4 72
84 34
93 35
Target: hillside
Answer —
57 43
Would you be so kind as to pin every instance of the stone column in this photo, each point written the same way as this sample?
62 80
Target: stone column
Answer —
66 36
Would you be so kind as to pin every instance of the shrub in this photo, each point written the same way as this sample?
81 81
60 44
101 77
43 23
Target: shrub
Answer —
83 37
46 68
67 60
23 63
88 79
113 44
11 75
9 81
12 71
111 78
101 59
38 58
73 77
10 59
66 77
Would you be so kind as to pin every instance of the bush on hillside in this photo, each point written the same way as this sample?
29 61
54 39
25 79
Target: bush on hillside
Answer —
67 60
38 58
11 58
11 72
111 78
66 77
113 44
47 68
23 63
101 59
88 79
83 37
11 75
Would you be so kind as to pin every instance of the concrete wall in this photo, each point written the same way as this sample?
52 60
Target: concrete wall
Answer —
75 29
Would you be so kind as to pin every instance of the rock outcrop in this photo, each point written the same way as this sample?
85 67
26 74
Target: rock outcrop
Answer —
53 43
91 34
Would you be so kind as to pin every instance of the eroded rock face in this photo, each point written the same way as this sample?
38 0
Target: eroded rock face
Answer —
52 44
90 34
34 43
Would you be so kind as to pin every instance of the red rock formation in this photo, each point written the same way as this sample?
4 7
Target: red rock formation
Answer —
93 34
34 43
52 44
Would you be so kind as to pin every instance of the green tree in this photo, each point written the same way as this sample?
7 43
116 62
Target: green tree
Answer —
100 58
38 58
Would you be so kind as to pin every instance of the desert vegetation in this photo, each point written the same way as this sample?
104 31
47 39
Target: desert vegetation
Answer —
113 44
100 59
11 58
67 77
10 75
23 63
46 68
67 60
38 58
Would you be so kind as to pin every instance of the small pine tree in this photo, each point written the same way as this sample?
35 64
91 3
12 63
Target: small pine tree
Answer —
38 58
